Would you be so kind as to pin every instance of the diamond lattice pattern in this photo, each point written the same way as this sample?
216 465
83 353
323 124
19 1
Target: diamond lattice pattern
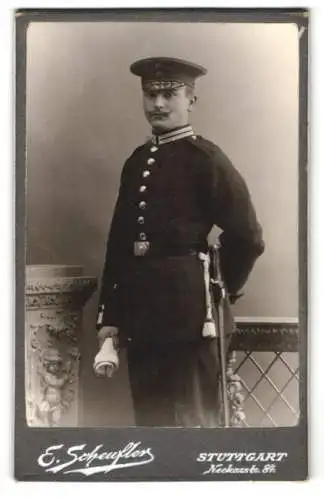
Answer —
270 386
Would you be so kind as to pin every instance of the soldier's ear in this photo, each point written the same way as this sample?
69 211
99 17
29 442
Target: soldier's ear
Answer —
192 101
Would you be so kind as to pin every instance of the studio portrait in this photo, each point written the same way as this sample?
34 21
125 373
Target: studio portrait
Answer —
161 198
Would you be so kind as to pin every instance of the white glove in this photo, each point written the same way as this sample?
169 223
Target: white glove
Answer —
106 362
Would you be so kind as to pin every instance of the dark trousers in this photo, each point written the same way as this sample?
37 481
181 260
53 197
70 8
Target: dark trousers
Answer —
176 384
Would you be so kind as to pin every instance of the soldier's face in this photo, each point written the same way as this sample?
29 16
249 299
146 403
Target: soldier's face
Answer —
168 109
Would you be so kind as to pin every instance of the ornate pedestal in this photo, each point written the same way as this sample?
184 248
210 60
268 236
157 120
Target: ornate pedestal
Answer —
55 296
235 396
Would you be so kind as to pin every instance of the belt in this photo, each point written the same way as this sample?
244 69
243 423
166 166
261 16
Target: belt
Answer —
148 250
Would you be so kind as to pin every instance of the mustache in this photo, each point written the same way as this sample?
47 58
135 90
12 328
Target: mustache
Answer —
159 114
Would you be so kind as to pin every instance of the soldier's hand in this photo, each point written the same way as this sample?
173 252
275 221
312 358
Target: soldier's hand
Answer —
106 361
110 370
107 332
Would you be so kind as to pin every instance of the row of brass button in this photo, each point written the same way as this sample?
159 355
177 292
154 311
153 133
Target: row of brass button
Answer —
143 204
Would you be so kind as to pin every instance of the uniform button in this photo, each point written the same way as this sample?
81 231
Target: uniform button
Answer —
150 161
153 149
194 137
142 189
146 173
142 236
142 204
140 220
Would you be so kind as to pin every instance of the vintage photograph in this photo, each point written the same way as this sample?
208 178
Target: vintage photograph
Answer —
162 272
161 323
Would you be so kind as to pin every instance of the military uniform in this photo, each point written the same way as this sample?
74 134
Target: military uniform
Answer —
173 189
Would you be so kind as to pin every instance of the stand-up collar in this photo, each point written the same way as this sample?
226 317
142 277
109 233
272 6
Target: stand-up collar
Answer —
174 135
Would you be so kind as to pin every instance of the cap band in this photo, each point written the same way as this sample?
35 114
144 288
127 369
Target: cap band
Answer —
161 84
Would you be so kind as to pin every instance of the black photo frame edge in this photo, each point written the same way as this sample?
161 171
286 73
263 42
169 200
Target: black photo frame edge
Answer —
182 465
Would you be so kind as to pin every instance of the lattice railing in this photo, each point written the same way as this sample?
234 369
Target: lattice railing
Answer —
264 373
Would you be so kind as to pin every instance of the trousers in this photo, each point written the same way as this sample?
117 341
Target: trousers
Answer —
176 384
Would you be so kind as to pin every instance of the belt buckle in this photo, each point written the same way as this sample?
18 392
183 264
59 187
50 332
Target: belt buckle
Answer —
141 248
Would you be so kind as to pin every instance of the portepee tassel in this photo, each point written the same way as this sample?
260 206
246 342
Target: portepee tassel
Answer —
209 328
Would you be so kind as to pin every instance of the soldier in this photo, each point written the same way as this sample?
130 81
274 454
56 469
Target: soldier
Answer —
173 190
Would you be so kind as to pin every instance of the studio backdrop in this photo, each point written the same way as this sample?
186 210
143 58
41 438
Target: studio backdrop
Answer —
85 118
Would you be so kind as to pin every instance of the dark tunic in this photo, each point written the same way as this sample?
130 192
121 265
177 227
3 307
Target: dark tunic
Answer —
171 196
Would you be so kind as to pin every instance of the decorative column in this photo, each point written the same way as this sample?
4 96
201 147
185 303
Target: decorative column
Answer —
55 296
235 395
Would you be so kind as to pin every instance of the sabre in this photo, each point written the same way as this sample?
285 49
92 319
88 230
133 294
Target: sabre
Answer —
217 281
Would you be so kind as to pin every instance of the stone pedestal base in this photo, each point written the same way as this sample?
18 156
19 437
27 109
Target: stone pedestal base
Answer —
55 296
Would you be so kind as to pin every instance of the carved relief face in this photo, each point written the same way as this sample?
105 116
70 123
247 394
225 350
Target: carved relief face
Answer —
53 361
54 367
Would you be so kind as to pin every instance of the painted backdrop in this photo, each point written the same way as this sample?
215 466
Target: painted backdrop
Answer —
84 118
